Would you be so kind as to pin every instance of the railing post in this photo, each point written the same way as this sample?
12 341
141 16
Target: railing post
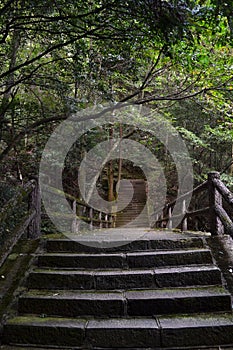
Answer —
170 218
156 219
113 220
34 204
91 218
100 219
106 220
184 222
74 222
215 198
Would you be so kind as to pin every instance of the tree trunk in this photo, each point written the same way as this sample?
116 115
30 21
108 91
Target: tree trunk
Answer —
111 171
231 167
9 84
120 158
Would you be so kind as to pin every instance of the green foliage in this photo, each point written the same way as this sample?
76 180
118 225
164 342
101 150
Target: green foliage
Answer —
191 138
60 57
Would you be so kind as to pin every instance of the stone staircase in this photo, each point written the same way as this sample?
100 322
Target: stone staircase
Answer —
161 291
135 207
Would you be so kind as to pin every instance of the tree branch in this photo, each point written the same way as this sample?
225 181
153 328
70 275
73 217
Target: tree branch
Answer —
48 51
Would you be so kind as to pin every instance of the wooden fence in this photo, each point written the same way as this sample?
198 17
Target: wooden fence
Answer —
30 221
96 218
219 215
219 218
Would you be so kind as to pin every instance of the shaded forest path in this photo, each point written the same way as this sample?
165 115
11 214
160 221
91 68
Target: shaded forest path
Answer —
122 288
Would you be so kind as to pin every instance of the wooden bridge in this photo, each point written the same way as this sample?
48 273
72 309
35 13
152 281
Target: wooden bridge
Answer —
140 288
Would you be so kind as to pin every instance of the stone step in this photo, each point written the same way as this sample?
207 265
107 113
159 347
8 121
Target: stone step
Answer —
132 206
130 303
18 347
67 245
127 260
131 216
124 279
178 301
156 333
41 331
194 331
130 220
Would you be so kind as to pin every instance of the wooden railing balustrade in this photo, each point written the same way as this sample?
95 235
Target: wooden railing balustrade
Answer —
96 218
30 221
219 218
84 212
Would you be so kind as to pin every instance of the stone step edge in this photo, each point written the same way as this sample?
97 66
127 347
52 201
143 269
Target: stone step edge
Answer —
126 260
123 304
159 270
184 330
21 347
124 279
12 347
187 319
179 292
124 254
135 245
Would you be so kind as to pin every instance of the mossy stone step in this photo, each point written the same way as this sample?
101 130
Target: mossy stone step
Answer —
129 303
124 279
197 330
159 291
15 347
157 333
125 261
124 245
44 331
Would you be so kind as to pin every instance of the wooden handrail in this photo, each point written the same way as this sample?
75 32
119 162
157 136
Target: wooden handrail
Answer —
22 192
219 220
196 190
108 221
67 195
225 192
29 223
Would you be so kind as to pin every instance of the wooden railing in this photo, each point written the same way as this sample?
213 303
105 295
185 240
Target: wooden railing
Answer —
30 223
31 218
96 218
218 211
218 215
83 212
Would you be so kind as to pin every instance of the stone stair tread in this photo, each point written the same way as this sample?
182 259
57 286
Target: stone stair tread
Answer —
126 260
193 275
69 294
70 303
65 246
159 332
54 331
203 330
18 347
123 240
202 320
133 294
43 321
162 292
168 322
169 269
177 293
140 253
